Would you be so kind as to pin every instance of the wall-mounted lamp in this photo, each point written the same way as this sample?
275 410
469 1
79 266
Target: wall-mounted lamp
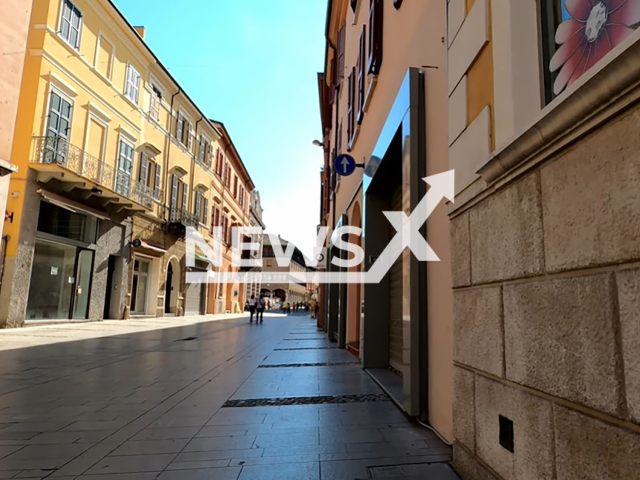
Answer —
318 143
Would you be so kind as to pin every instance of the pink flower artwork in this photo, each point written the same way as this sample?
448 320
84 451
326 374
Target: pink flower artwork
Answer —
594 28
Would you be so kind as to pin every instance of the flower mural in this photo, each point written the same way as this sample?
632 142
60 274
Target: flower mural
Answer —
592 28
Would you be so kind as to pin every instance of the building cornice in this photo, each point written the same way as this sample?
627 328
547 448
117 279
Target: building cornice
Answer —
608 88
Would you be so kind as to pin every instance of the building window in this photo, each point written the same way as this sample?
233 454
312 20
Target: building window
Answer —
201 207
149 174
71 24
351 124
577 34
340 54
132 85
104 57
361 73
376 15
183 131
216 216
125 167
178 201
205 152
225 230
235 187
227 179
219 162
61 222
58 130
155 102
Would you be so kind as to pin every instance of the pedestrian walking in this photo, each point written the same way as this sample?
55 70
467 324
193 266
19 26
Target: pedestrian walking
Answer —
285 306
252 308
260 304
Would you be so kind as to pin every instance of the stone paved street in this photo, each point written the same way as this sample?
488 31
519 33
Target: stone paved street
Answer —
118 400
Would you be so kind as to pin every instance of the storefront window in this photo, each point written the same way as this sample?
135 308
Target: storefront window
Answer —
60 282
61 222
52 281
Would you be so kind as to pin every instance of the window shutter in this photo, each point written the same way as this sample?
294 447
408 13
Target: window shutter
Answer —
198 205
361 73
143 169
190 135
376 22
225 229
156 189
205 210
350 99
341 49
184 197
136 81
174 191
179 127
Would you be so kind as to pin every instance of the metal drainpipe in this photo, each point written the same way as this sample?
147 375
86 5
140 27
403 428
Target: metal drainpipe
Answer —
193 166
224 188
166 170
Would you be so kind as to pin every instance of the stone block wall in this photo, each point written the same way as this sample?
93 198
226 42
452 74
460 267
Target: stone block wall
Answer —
546 273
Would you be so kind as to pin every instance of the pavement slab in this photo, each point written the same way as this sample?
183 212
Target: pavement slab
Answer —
145 399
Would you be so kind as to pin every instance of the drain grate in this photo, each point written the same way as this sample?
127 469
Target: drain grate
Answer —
297 365
320 400
303 339
308 348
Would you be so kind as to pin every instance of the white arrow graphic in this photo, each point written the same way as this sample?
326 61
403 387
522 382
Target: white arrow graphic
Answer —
408 227
345 165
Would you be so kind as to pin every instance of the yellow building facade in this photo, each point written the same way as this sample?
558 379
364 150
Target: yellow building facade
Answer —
115 162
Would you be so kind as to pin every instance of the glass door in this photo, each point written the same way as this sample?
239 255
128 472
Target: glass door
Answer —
84 270
125 166
58 127
140 286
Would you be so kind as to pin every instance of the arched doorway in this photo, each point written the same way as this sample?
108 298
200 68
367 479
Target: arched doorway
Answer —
354 294
172 287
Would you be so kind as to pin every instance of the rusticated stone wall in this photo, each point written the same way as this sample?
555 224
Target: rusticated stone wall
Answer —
546 274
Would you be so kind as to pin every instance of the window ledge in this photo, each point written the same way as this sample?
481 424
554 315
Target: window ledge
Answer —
609 87
129 101
352 142
372 86
102 77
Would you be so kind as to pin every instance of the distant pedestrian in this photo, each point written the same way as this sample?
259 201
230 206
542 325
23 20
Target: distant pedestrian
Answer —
260 304
252 308
285 306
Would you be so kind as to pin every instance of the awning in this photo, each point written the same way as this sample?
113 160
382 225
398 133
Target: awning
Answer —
153 248
203 258
71 205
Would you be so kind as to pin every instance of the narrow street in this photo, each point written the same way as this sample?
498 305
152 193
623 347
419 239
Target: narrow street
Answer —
201 399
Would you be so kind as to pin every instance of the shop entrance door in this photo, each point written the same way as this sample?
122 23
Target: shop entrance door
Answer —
84 269
60 282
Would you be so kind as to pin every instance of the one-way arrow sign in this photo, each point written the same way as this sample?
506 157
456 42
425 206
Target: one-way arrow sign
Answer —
344 165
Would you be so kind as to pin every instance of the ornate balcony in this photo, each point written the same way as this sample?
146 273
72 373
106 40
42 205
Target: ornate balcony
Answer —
55 159
180 217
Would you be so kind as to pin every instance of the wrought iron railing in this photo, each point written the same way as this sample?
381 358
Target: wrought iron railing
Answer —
180 216
58 151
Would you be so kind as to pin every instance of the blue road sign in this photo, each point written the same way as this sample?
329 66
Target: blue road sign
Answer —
344 165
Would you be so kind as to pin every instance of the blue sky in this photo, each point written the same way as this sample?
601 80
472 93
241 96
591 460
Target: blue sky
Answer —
252 64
